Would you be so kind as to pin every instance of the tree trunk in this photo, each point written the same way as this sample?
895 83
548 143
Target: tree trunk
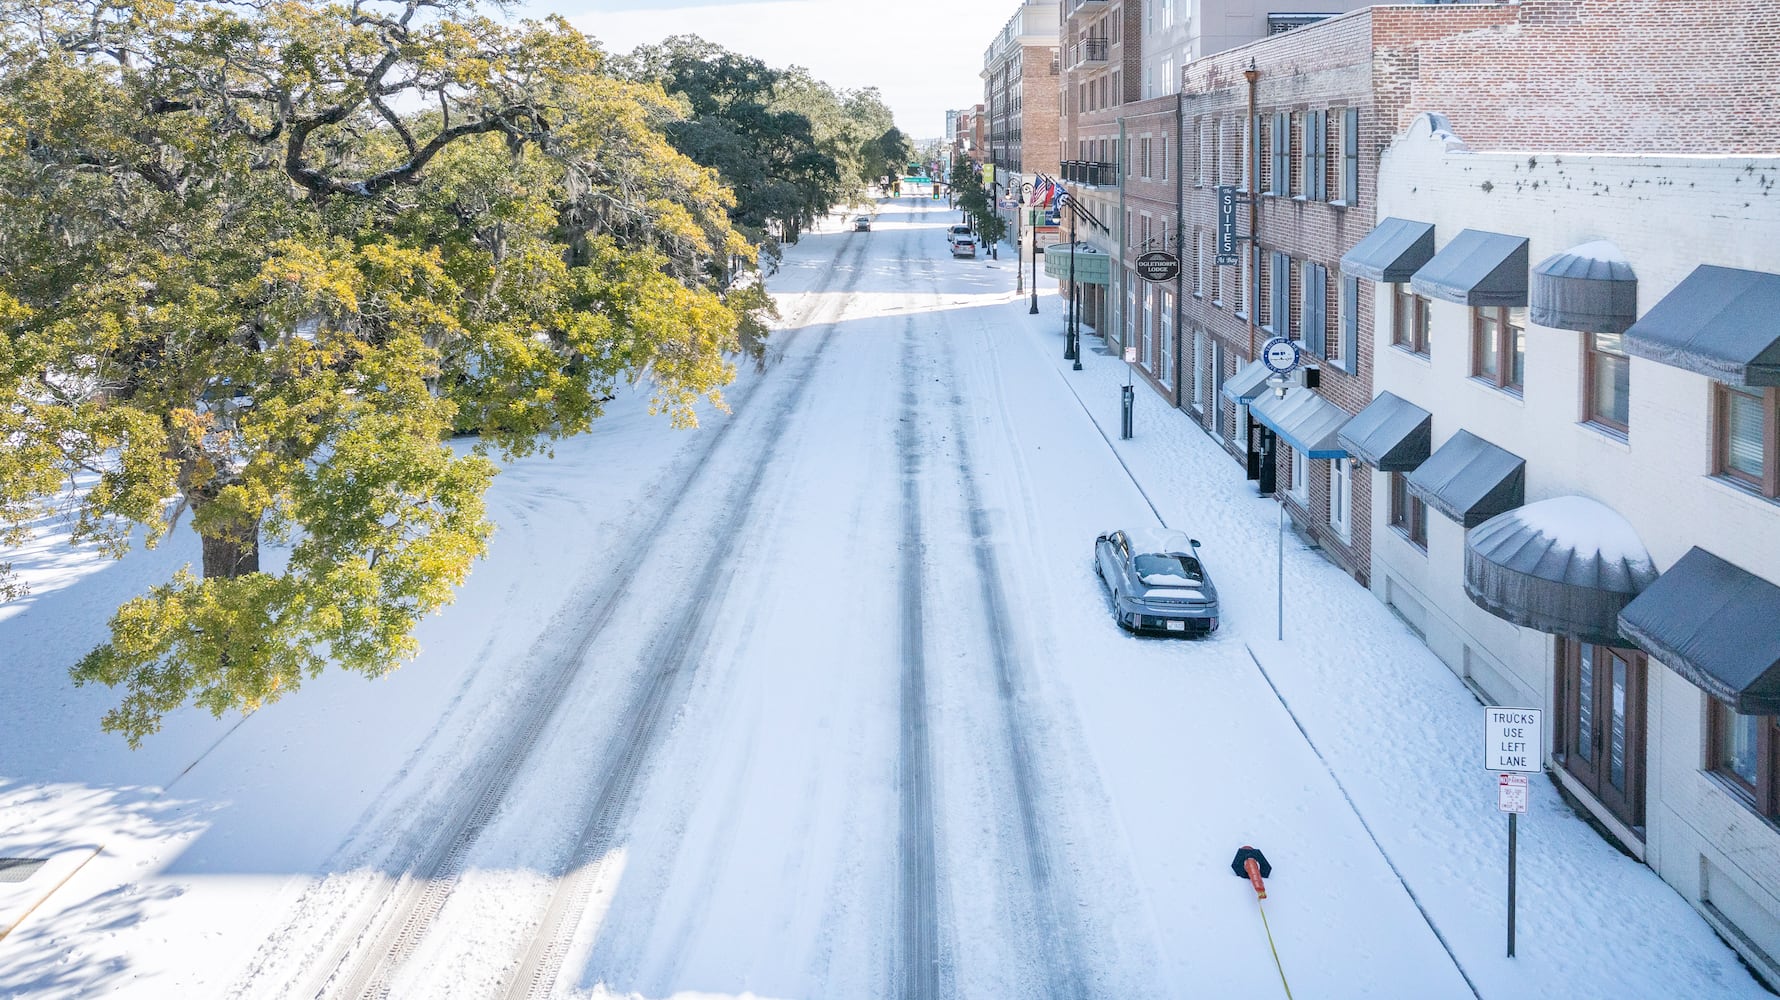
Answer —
236 553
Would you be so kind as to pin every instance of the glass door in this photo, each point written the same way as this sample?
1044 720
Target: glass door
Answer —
1601 725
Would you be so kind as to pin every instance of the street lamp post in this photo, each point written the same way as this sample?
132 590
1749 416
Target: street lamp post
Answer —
1026 206
1072 335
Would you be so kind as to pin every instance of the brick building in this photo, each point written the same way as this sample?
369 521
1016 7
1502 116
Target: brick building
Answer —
1330 95
966 134
1020 116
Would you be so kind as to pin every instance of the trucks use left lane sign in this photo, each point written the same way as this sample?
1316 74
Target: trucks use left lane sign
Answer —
1513 739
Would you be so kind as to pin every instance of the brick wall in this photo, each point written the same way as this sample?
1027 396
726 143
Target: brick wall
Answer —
1641 76
1040 114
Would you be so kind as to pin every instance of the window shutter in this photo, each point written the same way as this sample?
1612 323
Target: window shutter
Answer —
1254 156
1350 153
1282 154
1350 323
1281 316
1315 340
1321 148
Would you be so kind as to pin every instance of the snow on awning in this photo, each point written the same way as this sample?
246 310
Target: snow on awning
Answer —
1722 322
1392 252
1713 623
1249 381
1092 266
1590 288
1477 269
1567 566
1391 434
1470 480
1304 420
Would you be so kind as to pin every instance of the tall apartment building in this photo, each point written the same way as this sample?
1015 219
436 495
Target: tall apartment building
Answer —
1020 117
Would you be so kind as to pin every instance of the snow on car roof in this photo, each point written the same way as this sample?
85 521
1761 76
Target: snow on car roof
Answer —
1159 540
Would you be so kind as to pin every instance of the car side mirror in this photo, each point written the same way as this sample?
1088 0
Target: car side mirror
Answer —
1194 542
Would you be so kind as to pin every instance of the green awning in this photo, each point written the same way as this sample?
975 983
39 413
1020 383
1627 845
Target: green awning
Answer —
1092 266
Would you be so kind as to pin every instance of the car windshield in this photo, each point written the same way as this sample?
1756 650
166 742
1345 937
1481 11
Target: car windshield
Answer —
1158 570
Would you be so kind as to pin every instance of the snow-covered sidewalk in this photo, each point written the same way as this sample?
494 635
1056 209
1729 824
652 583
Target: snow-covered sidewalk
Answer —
1403 738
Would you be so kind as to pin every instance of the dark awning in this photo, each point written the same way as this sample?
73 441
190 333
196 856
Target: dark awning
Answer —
1477 269
1392 252
1470 480
1722 322
1391 434
1590 288
1305 420
1713 624
1249 381
1567 566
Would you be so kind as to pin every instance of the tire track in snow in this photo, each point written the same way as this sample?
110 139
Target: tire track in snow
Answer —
382 930
1052 900
917 972
669 677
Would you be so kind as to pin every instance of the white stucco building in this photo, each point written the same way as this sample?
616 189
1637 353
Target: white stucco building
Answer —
1576 358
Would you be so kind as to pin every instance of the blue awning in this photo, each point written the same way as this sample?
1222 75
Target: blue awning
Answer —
1304 420
1249 381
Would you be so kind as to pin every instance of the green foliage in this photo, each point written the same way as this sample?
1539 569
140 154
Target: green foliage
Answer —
263 259
790 146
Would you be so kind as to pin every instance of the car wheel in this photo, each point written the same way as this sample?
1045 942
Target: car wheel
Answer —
1118 612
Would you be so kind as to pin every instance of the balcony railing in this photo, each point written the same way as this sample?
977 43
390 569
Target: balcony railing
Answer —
1090 172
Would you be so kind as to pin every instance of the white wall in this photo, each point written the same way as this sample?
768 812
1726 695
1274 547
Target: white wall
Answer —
1667 214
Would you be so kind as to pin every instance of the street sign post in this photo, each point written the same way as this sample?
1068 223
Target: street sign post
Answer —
1513 742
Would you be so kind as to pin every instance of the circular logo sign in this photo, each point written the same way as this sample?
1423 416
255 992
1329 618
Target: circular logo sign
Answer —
1280 356
1157 265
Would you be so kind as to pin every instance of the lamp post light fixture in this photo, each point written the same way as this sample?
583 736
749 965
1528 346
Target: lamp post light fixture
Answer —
1026 206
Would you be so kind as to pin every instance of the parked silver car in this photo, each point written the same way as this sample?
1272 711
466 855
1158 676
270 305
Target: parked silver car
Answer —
1157 582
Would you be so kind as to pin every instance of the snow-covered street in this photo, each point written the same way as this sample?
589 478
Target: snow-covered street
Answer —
823 700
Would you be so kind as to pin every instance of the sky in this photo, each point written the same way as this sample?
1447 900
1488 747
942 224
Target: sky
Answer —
923 55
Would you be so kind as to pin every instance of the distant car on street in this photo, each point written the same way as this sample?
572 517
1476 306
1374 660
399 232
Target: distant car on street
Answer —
862 224
1157 582
958 232
964 246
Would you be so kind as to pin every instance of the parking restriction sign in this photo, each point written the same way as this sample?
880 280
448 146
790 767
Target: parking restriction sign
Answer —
1511 793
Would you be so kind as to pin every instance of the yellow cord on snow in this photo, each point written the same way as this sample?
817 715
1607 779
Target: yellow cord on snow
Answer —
1276 963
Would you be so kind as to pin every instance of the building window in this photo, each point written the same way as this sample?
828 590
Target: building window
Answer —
1314 316
1606 381
1300 489
1747 427
1199 153
1742 750
1198 263
1279 144
1499 346
1201 348
1348 144
1409 320
1165 338
1341 497
1408 514
1216 158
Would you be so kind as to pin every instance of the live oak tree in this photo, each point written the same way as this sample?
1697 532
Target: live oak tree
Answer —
258 260
753 125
